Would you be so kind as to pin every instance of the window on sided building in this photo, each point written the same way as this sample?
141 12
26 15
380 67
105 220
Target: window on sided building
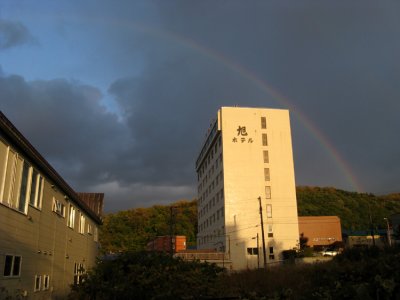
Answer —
71 217
20 183
79 270
12 266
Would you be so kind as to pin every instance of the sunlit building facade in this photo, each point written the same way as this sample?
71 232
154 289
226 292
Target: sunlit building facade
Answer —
48 232
246 163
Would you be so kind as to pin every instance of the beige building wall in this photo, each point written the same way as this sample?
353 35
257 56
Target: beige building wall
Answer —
252 162
42 247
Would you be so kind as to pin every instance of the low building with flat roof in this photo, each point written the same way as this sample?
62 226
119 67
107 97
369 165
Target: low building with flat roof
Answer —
320 230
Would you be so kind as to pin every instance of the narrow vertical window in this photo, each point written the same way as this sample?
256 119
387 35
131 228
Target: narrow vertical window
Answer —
269 210
264 139
23 192
266 174
3 165
265 156
81 223
38 283
71 218
95 234
263 122
8 265
46 282
271 253
268 192
270 232
16 266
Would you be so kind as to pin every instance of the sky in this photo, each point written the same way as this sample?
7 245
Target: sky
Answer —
118 95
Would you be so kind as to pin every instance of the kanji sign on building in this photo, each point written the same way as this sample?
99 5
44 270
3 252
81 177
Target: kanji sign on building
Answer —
241 131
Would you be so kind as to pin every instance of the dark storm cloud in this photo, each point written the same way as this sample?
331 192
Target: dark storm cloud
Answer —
168 111
14 34
67 124
338 65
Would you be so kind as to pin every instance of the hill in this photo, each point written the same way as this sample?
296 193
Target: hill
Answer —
132 229
356 210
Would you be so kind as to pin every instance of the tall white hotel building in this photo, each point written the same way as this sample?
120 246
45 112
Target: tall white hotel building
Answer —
247 155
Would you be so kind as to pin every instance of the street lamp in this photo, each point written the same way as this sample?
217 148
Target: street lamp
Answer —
388 231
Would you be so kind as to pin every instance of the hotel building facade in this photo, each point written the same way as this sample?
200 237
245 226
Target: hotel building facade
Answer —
48 232
245 164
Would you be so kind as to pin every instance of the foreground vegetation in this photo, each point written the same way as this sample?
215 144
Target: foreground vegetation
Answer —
370 273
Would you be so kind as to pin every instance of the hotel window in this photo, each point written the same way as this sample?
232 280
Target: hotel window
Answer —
81 223
269 210
271 253
268 192
265 156
264 139
266 174
58 207
35 198
252 251
270 232
263 122
12 266
71 217
38 283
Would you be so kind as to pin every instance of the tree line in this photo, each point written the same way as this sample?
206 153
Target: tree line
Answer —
130 230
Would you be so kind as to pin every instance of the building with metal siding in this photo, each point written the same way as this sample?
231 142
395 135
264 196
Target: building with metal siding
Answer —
48 234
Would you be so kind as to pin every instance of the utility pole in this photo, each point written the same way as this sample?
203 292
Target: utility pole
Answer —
258 253
388 232
262 234
371 225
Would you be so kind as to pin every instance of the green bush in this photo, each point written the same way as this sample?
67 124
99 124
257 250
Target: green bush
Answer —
148 276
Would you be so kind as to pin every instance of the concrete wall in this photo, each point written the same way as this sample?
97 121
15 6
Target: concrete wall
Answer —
244 181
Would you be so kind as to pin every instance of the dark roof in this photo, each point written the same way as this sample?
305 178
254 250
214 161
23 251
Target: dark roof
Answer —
9 131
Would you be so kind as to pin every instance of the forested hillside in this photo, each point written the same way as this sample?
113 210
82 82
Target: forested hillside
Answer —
354 209
132 229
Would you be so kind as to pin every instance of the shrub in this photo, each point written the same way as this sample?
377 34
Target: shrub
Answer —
147 276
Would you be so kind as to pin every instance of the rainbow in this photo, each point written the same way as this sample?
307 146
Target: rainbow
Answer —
244 72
